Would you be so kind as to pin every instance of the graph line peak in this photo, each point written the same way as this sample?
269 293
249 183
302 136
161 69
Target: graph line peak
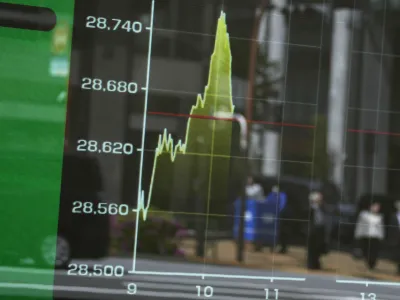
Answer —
217 98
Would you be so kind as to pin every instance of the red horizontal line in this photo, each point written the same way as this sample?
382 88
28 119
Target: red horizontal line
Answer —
283 124
374 132
159 113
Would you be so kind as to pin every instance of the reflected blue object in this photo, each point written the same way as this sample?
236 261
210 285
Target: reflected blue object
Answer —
260 224
276 199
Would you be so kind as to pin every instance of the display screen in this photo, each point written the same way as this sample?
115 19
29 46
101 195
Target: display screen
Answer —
199 149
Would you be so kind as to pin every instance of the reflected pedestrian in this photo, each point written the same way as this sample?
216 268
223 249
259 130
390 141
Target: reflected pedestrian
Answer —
317 232
279 199
254 190
369 233
395 233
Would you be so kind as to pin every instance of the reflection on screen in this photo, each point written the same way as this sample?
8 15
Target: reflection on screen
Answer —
199 149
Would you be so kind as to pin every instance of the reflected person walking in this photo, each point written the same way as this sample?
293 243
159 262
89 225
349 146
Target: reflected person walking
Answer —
369 233
317 230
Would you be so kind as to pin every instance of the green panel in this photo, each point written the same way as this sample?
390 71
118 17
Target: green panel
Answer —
32 122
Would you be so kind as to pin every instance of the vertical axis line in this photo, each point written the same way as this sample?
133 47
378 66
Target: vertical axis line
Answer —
140 196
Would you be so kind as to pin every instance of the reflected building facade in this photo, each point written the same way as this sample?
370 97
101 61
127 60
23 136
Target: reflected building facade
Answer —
335 113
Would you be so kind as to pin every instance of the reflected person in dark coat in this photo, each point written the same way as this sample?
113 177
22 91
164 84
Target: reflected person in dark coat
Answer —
317 231
394 234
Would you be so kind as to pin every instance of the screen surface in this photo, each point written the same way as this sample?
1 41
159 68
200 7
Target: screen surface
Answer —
199 149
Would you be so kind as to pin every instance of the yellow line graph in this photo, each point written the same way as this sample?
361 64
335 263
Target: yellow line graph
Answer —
210 137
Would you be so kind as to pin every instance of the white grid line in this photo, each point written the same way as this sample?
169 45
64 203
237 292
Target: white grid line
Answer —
240 157
234 97
346 124
239 38
375 110
277 42
210 172
371 167
366 225
282 129
378 106
378 54
316 119
216 215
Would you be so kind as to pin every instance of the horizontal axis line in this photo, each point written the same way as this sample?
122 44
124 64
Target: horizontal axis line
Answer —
204 275
363 282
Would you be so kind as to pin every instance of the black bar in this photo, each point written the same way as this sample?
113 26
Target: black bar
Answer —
27 17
